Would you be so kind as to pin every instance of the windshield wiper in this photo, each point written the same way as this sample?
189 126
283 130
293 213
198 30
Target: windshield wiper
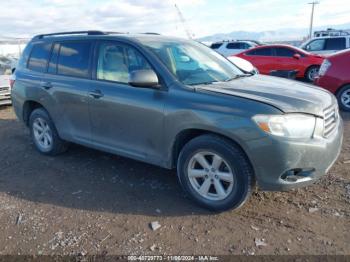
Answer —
238 76
205 83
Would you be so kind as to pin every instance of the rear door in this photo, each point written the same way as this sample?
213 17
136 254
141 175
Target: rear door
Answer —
68 81
262 59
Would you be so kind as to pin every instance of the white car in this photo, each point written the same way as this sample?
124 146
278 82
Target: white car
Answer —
228 48
327 44
243 64
5 90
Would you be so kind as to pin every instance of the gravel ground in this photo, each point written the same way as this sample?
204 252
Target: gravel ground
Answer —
88 202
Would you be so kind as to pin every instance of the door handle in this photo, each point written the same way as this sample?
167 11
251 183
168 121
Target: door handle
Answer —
46 85
96 94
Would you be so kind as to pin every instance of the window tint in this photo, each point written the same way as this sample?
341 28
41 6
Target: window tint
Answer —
53 60
335 43
286 52
215 45
38 57
316 45
245 46
261 52
73 59
234 46
116 62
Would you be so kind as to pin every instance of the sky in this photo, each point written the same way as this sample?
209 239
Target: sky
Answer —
25 18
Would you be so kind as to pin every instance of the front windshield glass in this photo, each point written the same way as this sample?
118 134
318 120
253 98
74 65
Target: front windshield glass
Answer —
193 63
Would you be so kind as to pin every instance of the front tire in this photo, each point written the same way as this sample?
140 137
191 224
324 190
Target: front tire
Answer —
44 133
311 73
343 96
215 173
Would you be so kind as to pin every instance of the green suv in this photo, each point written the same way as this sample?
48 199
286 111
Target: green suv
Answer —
177 104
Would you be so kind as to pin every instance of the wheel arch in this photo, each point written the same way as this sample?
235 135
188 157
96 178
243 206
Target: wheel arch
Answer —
186 135
308 68
340 87
28 107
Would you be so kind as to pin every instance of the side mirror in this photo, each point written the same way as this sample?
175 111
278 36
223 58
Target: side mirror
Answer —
143 78
296 56
307 47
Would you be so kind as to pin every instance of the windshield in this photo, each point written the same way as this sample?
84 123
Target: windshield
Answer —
193 63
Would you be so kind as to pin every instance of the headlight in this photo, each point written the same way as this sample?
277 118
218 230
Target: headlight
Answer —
288 125
324 67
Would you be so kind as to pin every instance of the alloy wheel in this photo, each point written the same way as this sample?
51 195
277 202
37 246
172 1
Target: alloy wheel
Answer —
345 98
312 73
42 133
210 175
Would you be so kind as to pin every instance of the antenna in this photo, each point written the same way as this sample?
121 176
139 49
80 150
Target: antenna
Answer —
183 21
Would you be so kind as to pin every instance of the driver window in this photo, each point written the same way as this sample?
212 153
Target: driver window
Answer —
116 62
316 45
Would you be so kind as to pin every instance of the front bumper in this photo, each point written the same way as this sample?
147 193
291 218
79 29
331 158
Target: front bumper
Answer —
282 164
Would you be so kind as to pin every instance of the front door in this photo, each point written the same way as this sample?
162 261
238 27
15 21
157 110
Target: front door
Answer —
125 119
285 59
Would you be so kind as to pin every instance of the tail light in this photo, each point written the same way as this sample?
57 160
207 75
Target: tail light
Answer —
12 81
324 67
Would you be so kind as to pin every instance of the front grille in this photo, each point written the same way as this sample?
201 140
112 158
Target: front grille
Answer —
331 118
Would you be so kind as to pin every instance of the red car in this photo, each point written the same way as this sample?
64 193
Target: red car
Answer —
269 58
334 75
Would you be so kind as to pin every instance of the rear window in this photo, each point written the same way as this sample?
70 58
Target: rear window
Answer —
335 43
38 57
238 46
73 59
261 52
215 45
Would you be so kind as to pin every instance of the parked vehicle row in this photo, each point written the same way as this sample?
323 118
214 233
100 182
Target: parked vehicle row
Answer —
268 58
176 104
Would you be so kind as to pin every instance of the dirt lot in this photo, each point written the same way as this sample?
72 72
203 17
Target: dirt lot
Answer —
89 202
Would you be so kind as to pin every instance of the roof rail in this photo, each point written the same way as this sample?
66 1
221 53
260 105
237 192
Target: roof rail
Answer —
91 32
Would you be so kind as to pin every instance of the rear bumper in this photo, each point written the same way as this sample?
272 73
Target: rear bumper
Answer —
282 165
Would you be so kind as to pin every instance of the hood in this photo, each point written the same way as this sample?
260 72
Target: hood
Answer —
287 95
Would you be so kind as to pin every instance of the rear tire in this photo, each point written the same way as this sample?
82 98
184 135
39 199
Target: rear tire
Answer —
44 133
311 73
215 173
343 96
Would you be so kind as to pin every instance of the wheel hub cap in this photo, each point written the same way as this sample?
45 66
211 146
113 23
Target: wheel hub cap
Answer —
210 175
345 98
42 133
